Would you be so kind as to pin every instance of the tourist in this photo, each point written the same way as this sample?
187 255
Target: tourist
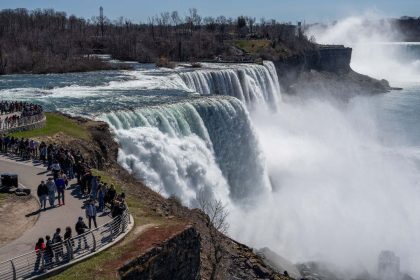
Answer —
65 179
71 163
43 152
111 196
49 253
101 197
39 250
61 186
52 188
42 193
118 209
80 229
58 245
94 186
69 243
49 156
55 167
116 213
88 182
91 213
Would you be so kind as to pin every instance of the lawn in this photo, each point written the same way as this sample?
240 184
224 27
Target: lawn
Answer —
56 123
251 46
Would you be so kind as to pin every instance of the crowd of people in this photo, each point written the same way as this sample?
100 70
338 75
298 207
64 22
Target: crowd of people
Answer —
26 108
18 114
65 165
96 194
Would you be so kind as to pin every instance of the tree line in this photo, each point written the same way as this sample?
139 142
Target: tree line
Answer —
43 41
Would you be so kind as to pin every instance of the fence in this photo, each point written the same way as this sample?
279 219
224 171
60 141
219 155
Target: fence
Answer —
33 264
21 121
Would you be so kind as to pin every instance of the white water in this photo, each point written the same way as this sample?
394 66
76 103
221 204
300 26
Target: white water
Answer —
340 192
190 147
256 85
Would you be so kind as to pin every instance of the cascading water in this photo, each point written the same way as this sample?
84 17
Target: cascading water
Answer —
254 84
344 187
189 147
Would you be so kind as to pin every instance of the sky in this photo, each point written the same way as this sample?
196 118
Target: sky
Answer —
281 10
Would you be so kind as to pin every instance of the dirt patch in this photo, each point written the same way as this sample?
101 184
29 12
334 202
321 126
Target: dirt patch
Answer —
13 220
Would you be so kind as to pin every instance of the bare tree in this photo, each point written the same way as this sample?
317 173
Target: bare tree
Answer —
217 226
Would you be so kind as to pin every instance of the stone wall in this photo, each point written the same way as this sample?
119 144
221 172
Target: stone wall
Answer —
177 258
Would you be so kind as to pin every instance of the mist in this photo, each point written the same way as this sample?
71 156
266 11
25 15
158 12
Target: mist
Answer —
376 51
340 195
344 187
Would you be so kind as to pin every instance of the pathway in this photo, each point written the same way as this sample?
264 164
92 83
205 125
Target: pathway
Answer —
30 175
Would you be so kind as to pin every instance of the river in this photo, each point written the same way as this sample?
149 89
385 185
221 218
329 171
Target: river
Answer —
310 179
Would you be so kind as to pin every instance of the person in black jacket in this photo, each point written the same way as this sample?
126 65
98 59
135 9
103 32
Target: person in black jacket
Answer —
42 193
80 229
58 245
49 253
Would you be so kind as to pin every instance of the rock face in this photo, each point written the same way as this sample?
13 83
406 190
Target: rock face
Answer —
279 263
330 58
388 266
178 258
326 71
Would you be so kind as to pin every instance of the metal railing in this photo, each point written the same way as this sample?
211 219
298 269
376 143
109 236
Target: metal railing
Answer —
33 264
21 121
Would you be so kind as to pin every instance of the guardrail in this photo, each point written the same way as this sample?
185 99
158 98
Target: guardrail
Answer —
21 122
34 264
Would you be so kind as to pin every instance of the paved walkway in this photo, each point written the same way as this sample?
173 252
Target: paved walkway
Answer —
30 175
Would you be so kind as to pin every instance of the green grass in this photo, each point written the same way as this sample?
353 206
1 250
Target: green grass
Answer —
251 46
56 123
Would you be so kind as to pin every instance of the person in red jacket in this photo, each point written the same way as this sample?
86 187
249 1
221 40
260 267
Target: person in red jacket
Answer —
39 251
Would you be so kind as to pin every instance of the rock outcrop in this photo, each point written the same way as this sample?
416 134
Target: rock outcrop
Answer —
326 71
279 263
177 258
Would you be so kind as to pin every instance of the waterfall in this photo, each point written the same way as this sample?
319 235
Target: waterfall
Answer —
251 83
199 145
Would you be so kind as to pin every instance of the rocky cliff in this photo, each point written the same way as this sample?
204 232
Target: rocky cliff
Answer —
176 258
326 71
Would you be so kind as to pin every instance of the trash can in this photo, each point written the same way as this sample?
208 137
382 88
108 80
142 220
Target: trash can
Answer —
9 180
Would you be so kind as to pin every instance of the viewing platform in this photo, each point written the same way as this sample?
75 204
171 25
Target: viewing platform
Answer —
20 116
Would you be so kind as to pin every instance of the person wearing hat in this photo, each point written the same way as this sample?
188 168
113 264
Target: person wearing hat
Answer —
80 229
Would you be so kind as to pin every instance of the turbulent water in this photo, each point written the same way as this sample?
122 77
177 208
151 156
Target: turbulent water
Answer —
312 180
184 148
256 85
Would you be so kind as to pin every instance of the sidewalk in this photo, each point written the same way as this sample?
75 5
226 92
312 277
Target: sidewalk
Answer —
30 175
